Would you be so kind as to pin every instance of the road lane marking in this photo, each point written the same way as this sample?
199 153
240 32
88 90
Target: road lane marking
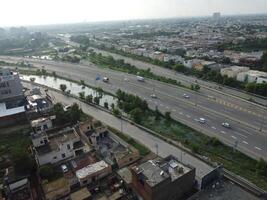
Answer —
233 137
188 116
245 142
173 110
181 113
223 132
214 128
161 105
258 148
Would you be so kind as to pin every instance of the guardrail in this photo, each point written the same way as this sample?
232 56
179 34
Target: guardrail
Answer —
250 187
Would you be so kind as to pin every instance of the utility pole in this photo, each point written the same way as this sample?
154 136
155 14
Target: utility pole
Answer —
157 148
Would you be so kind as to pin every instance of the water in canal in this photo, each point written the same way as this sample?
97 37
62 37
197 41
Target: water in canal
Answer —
74 88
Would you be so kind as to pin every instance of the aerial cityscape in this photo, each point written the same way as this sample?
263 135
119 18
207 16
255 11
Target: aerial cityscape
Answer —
155 100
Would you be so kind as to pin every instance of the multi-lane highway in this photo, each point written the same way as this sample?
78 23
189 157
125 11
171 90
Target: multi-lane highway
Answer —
245 118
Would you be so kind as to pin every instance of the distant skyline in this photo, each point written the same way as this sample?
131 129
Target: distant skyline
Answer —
40 12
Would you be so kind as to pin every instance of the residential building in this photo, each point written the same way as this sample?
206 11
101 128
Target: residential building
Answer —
163 179
231 72
93 172
19 190
262 79
109 147
12 101
250 76
57 145
42 124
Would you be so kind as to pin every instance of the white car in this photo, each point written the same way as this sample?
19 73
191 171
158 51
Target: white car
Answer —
202 120
64 168
186 96
105 79
153 96
226 125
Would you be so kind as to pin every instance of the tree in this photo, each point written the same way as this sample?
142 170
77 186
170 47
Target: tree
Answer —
136 115
46 171
82 95
63 87
168 115
75 113
157 114
89 98
82 82
116 112
261 167
54 74
23 163
96 100
197 87
106 105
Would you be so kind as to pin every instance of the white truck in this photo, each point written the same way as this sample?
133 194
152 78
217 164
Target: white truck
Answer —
140 78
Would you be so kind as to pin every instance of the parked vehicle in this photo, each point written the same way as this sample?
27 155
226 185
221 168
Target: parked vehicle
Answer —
64 168
140 78
105 79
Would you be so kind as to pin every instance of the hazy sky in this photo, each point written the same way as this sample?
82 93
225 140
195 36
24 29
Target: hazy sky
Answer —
27 12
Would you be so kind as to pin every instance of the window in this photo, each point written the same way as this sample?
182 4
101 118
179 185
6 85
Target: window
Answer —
41 142
85 181
55 158
63 155
45 127
68 146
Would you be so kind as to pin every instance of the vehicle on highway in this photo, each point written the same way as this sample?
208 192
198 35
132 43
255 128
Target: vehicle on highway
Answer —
226 125
64 168
202 120
186 96
126 79
105 79
153 96
140 78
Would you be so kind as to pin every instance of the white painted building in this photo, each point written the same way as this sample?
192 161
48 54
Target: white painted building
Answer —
59 146
233 71
262 79
250 76
93 172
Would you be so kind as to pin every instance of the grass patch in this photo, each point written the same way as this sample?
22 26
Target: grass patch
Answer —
234 161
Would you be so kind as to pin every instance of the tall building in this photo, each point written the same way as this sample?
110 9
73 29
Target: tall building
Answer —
12 100
216 15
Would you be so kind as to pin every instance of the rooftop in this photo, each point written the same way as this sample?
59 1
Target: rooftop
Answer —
91 169
80 194
157 170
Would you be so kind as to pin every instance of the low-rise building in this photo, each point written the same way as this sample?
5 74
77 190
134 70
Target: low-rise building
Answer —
109 147
20 190
250 76
233 71
163 179
57 145
262 79
42 124
93 172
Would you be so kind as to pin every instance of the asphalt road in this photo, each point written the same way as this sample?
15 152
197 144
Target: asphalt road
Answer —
164 148
245 118
210 88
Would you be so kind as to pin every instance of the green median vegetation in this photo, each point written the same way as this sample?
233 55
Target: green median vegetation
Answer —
120 65
207 147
